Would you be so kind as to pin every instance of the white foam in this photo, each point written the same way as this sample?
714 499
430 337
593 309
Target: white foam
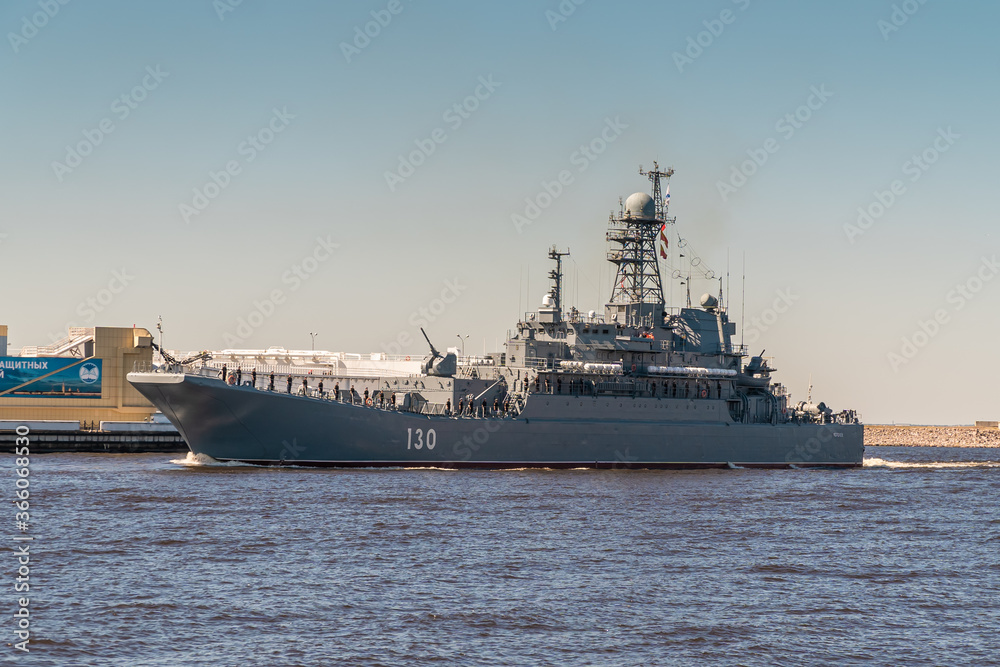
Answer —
882 463
195 460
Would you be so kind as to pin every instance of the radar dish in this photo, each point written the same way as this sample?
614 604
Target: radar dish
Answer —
640 206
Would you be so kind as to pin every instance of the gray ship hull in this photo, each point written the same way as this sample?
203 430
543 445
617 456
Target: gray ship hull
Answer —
234 423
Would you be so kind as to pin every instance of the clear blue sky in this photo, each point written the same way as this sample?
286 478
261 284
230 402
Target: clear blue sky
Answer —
310 128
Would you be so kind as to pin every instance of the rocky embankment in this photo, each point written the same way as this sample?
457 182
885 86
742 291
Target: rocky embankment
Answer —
931 436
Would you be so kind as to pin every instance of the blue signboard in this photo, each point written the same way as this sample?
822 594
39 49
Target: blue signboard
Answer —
55 377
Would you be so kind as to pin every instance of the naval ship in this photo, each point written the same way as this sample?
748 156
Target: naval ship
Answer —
641 385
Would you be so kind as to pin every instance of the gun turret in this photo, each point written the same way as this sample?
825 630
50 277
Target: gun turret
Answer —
447 365
434 353
758 365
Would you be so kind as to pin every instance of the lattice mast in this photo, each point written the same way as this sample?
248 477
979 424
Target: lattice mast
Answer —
654 176
638 283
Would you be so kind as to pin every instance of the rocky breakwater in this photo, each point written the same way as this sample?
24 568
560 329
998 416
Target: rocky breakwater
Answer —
931 436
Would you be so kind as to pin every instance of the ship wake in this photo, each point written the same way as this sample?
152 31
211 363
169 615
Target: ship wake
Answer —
883 463
193 460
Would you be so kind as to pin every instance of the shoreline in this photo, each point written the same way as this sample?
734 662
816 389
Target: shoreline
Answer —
886 435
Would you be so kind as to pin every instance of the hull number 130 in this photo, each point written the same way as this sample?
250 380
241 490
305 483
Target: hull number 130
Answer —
416 439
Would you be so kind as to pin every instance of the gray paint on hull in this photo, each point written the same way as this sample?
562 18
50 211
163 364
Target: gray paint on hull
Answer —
243 424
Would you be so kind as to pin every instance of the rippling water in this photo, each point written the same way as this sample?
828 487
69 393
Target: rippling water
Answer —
140 560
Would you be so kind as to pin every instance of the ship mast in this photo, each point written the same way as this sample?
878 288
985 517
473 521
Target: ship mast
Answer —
654 176
637 296
555 275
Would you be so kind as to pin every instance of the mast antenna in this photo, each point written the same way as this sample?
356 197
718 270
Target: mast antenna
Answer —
743 303
729 283
159 327
556 276
654 176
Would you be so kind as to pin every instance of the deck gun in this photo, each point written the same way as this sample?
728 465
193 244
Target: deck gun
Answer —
436 364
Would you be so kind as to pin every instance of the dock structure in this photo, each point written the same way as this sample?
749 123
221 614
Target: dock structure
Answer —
62 437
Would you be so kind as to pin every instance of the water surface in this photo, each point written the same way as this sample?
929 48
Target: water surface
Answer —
150 560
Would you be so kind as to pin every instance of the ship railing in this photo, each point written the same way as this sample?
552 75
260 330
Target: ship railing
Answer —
540 363
419 408
507 410
616 388
477 372
578 317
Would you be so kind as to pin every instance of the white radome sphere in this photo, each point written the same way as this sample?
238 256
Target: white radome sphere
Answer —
640 206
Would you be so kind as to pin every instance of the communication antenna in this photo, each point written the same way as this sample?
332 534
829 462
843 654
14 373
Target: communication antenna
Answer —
159 327
743 303
729 283
520 292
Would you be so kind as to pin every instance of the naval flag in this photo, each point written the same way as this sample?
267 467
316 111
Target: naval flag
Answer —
663 239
